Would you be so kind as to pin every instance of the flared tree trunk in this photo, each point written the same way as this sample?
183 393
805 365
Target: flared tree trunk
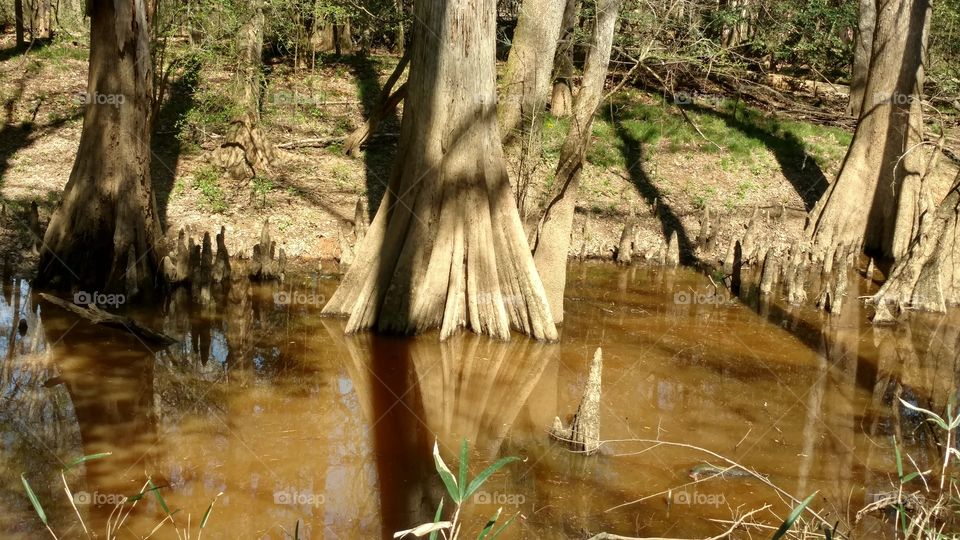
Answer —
866 22
553 232
104 234
928 278
526 77
873 202
446 248
561 102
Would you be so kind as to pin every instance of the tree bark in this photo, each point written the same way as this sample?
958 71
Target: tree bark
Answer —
928 278
553 232
446 248
526 77
18 22
39 19
883 167
866 23
105 233
387 101
561 103
247 151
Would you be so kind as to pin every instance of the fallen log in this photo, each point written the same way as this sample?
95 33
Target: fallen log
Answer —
98 316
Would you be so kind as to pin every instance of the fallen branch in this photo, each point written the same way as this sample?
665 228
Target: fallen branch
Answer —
655 443
96 315
736 523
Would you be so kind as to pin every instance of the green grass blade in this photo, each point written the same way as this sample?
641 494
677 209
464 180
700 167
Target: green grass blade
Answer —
896 452
482 477
156 492
206 515
33 499
436 519
464 468
792 518
84 459
504 526
448 480
490 524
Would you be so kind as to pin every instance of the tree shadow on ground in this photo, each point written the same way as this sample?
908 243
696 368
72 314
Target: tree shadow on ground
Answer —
379 152
797 165
20 50
165 144
631 148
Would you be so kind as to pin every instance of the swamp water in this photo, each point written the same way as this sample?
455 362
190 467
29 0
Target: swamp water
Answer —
269 403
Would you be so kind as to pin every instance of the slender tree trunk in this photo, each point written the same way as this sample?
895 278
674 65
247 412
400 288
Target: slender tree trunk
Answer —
882 169
39 19
553 232
526 77
561 103
105 233
866 23
387 101
928 278
247 151
446 248
18 21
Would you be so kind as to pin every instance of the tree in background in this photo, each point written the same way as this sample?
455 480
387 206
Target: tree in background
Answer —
553 232
104 234
447 248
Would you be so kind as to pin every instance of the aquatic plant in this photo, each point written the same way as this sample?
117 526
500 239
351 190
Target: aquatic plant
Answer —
460 488
122 509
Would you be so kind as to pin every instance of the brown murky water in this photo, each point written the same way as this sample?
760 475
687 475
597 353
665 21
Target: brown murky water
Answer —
292 421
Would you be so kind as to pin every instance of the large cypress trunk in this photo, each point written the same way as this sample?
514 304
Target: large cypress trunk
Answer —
866 22
553 232
928 278
883 166
104 234
446 248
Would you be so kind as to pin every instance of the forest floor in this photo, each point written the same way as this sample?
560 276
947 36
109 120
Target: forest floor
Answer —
711 149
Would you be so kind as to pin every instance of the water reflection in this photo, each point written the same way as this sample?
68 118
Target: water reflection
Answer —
271 404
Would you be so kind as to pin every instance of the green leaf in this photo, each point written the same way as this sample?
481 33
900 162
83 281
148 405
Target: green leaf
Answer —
896 452
792 518
85 459
33 499
482 477
504 526
490 523
934 417
156 492
436 519
206 515
448 480
909 477
464 469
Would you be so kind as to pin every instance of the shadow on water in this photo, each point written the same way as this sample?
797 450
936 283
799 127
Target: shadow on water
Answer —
165 143
266 401
632 150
